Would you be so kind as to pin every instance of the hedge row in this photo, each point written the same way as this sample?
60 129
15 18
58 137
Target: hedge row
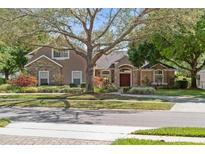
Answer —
41 89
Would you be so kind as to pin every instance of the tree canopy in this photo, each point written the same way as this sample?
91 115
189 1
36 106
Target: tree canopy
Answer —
184 48
142 53
12 59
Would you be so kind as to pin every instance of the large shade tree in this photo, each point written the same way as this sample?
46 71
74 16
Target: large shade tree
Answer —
183 48
18 29
90 33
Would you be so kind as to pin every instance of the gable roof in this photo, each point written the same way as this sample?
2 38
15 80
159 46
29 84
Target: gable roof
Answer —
43 56
125 56
35 50
106 61
149 65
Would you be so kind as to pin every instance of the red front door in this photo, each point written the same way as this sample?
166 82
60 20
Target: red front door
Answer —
124 80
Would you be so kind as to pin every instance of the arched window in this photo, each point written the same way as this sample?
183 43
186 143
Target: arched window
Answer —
124 70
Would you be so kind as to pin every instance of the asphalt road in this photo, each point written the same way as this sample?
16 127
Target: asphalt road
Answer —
105 117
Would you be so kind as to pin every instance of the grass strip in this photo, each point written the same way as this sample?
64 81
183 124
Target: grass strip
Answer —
134 141
4 122
174 131
97 104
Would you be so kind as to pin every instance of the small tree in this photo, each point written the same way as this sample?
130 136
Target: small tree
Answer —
12 59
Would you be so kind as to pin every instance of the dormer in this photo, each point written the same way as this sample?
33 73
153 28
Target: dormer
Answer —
60 54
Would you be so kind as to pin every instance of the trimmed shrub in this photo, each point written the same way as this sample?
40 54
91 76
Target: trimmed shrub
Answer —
24 80
9 88
60 89
73 85
181 84
141 90
83 85
2 81
111 88
126 89
49 89
107 89
29 90
74 90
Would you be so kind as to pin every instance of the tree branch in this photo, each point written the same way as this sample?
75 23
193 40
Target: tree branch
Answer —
174 62
111 20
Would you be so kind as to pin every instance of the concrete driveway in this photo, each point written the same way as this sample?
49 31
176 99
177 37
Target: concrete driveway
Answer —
189 107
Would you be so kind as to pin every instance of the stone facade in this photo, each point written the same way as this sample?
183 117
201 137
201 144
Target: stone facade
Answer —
43 64
58 75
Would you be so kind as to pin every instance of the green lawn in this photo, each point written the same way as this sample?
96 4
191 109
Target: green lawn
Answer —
110 97
91 101
91 104
133 141
174 131
181 92
34 96
4 122
77 97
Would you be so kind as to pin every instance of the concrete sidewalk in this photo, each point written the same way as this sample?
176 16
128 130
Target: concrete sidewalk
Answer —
69 131
85 132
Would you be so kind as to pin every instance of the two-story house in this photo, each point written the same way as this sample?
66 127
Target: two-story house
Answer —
54 67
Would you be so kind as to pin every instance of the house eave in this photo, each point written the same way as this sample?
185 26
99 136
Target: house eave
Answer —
43 56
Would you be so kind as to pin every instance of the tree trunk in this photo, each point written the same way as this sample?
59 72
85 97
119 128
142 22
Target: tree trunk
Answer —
193 80
89 79
6 74
89 74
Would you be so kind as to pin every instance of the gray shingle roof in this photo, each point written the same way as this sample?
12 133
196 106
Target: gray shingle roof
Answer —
107 60
146 66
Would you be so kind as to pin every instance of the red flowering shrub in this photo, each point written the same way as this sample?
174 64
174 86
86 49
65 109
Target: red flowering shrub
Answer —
98 81
101 82
25 80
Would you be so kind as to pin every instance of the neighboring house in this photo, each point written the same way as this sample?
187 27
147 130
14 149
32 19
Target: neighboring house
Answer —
63 67
201 79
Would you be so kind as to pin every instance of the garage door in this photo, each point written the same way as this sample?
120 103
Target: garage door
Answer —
124 80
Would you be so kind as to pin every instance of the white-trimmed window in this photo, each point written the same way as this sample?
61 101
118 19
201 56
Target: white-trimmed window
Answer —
77 77
60 54
43 77
158 76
